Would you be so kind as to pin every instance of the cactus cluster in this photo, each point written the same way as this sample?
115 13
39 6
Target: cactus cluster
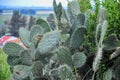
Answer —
75 40
28 63
59 54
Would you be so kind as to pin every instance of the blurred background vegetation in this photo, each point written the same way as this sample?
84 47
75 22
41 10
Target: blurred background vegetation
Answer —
4 67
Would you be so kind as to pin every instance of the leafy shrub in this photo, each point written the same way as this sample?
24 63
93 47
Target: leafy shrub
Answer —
84 5
4 67
113 16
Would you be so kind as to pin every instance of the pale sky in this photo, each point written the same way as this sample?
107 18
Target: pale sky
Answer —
44 3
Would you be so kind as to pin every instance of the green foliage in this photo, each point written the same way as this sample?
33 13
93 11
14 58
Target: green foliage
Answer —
90 34
91 24
4 67
84 5
113 16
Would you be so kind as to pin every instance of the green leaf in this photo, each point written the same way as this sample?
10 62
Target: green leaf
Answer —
43 24
77 38
35 30
64 56
79 59
26 58
22 71
25 36
12 49
49 41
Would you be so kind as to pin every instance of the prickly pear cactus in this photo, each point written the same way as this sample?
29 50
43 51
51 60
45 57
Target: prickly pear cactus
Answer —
79 59
111 43
78 22
49 41
64 56
62 18
43 24
48 57
65 72
77 38
25 36
73 10
26 58
108 75
35 30
58 10
29 63
13 51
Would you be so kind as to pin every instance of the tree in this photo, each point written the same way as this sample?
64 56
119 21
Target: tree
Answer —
23 21
32 22
17 21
